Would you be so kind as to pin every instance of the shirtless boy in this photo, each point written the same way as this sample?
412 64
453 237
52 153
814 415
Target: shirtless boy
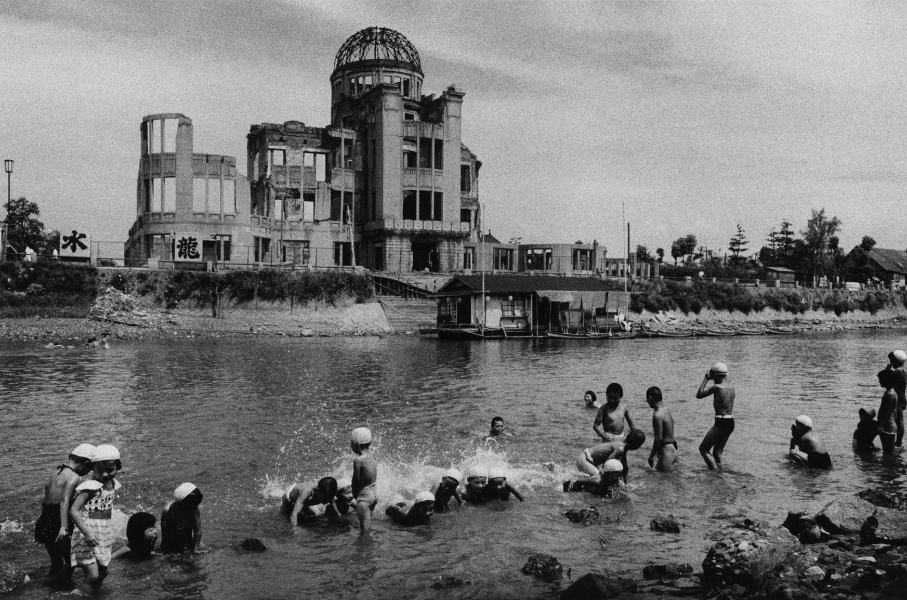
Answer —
609 422
896 362
806 449
53 526
447 489
664 446
589 461
712 446
365 477
417 513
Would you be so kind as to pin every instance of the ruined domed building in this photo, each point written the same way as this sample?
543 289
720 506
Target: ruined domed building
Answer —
387 185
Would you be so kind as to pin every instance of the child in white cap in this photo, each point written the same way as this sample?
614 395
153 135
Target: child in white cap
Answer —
447 489
181 521
365 477
54 526
476 480
343 500
418 514
91 511
498 488
609 482
712 446
806 449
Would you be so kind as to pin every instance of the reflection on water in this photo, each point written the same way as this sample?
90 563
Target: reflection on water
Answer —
243 418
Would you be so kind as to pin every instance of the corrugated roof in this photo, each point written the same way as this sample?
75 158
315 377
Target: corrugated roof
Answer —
780 269
508 284
894 261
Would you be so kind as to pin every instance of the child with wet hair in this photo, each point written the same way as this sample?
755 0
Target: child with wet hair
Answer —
141 537
591 400
91 512
300 502
447 489
609 482
419 513
476 480
181 521
498 488
592 458
887 415
365 477
53 527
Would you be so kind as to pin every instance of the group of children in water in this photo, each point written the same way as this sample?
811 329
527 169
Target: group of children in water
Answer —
75 521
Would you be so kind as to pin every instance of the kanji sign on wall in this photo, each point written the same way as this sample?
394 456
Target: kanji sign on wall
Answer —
187 247
76 245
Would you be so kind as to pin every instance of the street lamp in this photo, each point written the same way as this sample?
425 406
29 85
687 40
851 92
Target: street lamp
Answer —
8 166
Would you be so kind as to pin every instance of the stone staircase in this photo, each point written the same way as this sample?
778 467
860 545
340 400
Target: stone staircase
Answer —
406 315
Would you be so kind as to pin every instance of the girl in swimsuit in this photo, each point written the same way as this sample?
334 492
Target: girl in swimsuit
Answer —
91 511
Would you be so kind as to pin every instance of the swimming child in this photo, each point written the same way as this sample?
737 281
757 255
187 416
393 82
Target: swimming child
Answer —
447 489
343 499
591 400
476 480
589 461
608 485
91 511
365 477
419 513
300 502
806 449
896 362
866 431
887 420
141 537
609 422
498 488
181 521
497 428
712 446
54 527
664 446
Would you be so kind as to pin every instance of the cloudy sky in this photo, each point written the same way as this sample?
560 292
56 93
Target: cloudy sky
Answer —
695 115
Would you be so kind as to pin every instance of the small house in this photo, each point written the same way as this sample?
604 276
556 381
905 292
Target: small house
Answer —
780 277
889 267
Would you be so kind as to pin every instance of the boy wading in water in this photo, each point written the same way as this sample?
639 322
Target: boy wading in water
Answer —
609 422
664 446
712 446
365 477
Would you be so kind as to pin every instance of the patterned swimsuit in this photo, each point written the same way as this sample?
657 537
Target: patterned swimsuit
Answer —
96 515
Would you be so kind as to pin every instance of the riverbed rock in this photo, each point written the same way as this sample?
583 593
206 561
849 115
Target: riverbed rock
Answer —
886 499
543 566
583 515
253 545
667 571
845 514
443 582
895 589
597 586
666 524
11 577
744 557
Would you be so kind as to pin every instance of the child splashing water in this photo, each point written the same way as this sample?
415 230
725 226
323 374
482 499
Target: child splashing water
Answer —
91 511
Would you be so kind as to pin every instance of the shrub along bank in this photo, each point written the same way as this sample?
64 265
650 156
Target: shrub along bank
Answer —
693 297
57 289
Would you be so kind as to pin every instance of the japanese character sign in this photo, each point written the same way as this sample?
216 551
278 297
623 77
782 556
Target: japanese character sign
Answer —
186 247
77 244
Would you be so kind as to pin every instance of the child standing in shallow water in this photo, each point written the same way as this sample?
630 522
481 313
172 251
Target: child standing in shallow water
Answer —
181 521
365 477
91 511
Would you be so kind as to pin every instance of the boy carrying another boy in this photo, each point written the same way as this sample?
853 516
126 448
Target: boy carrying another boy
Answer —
589 461
365 477
609 422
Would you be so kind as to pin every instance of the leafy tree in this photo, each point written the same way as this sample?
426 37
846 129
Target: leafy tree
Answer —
784 253
688 244
738 244
23 227
677 249
660 253
642 254
867 244
819 229
50 242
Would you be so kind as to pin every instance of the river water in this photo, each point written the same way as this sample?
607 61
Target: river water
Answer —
243 418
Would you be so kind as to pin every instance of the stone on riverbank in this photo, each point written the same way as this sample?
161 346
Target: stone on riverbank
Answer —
11 577
543 566
253 545
596 586
668 571
666 524
586 516
745 556
844 515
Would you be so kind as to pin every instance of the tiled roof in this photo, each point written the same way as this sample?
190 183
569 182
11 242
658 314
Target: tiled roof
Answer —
507 284
894 261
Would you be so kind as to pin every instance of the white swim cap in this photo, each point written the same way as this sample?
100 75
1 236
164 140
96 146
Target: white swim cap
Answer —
105 452
424 497
805 421
612 466
84 451
719 367
496 473
454 474
477 471
361 435
900 355
344 483
183 490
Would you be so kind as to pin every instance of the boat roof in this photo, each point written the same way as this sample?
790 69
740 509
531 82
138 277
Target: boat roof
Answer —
515 284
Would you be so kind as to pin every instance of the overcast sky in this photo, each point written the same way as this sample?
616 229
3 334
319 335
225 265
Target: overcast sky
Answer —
697 116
